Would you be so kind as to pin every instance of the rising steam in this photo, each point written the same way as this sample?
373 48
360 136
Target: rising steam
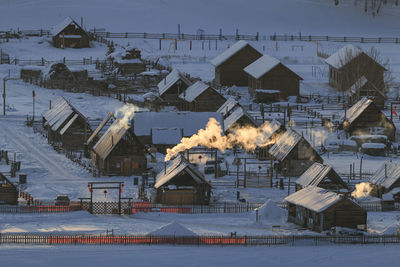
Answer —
362 190
124 115
247 137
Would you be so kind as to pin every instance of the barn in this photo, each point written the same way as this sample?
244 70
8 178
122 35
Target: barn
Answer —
319 209
8 191
68 33
323 176
181 183
119 151
365 118
294 154
386 178
172 86
200 97
230 64
65 124
268 73
349 64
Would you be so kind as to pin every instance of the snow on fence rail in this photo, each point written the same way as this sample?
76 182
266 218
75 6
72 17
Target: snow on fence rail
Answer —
313 38
84 239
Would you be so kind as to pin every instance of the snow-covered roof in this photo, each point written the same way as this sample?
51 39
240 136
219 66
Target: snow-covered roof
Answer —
285 144
62 25
58 114
193 91
174 76
227 54
100 127
357 109
190 122
314 198
358 84
373 146
178 165
343 56
261 66
316 174
388 177
266 91
167 136
235 116
228 106
69 123
128 61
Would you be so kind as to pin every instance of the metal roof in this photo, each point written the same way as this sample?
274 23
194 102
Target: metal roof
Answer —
285 144
386 178
317 173
174 76
100 127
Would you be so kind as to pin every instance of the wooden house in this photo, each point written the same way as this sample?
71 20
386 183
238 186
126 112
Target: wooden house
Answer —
274 132
386 178
174 84
349 64
365 118
8 191
97 133
228 107
128 61
200 97
230 64
238 117
268 73
323 176
319 209
68 33
66 125
294 154
119 151
181 183
364 88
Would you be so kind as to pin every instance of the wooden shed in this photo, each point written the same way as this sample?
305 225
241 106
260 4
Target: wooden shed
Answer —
268 73
8 191
319 209
365 118
349 64
119 151
180 183
238 117
230 64
294 154
386 178
174 84
201 97
323 176
68 33
364 88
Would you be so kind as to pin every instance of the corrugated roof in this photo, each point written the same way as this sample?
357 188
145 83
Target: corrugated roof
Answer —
227 54
167 136
62 25
71 121
285 144
176 166
228 106
261 66
314 198
238 113
100 127
193 91
174 76
343 56
392 175
356 110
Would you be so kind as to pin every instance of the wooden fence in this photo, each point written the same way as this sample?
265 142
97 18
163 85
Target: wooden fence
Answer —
318 38
99 239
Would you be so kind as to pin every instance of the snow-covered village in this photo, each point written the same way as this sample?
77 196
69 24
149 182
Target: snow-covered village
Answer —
199 133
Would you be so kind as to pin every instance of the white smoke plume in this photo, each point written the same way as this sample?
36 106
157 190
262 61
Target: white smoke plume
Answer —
362 190
124 115
247 137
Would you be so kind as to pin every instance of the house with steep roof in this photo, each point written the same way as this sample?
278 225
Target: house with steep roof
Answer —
181 183
69 33
228 107
268 73
319 209
230 64
386 178
238 117
174 84
349 64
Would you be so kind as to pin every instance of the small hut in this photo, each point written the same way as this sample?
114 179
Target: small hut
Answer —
364 88
323 176
268 73
238 117
294 154
174 84
386 178
8 191
68 33
128 61
180 183
319 209
119 151
230 64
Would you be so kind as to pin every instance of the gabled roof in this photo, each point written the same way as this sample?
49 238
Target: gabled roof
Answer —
178 165
69 123
343 56
314 198
193 91
238 113
62 25
285 144
228 106
166 136
261 66
358 85
227 54
392 175
174 76
356 110
316 174
100 127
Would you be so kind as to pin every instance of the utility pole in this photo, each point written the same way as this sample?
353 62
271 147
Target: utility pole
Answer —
4 96
33 105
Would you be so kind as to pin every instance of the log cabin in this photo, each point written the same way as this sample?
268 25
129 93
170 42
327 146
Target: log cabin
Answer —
172 86
68 33
385 179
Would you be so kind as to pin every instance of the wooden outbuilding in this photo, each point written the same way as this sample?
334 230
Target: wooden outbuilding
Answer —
364 88
8 191
68 33
119 151
181 183
271 136
238 117
268 73
386 178
365 118
230 64
349 64
174 84
323 176
294 154
319 209
201 97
